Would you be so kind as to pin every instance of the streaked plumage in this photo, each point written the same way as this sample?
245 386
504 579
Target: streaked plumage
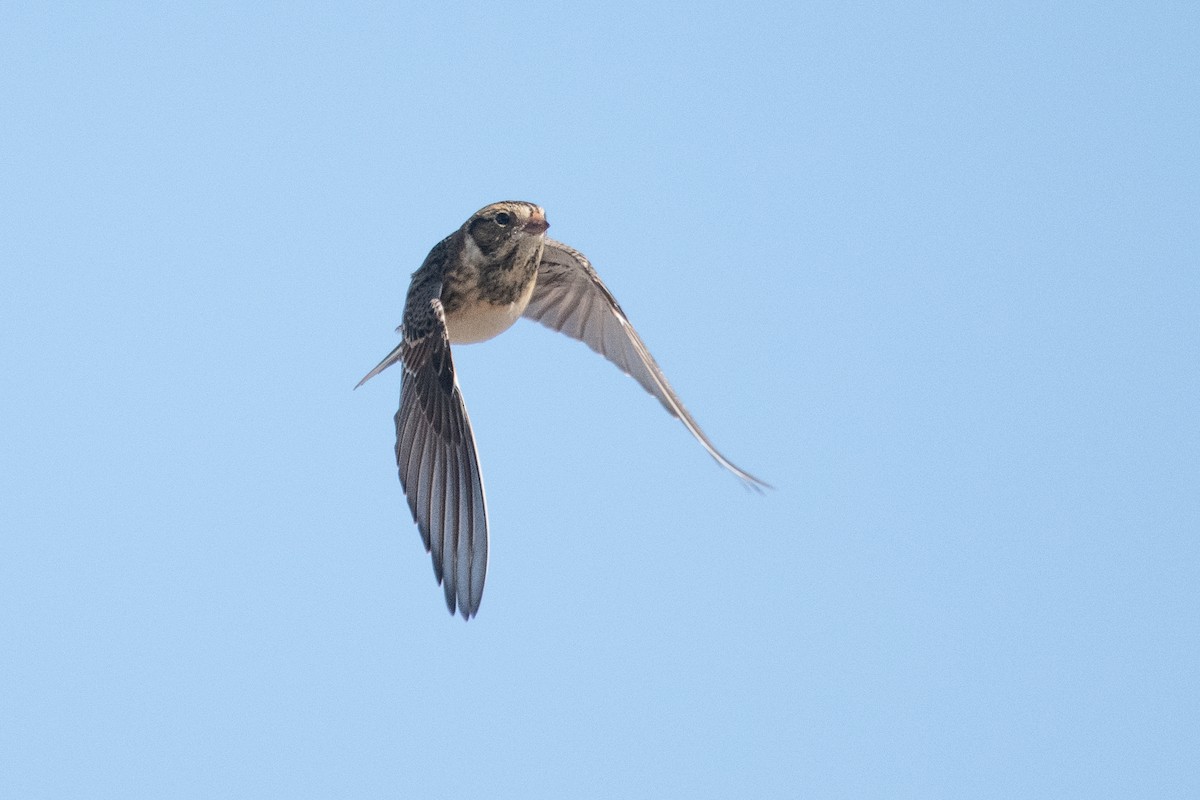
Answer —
474 285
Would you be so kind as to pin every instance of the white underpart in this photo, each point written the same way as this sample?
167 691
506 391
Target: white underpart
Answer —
480 320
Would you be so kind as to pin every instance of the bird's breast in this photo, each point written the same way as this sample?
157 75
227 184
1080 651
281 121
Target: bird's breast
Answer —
478 320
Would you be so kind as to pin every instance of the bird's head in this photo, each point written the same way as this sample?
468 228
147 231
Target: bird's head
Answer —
500 227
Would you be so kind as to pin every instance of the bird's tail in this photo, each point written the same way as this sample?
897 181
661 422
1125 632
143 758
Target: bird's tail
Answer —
391 358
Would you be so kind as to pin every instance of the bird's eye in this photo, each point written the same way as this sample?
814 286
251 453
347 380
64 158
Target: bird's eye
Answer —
503 218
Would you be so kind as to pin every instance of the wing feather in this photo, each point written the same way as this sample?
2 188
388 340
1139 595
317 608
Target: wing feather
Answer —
436 456
570 298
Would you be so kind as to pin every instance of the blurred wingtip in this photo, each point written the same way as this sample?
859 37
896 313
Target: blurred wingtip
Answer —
757 485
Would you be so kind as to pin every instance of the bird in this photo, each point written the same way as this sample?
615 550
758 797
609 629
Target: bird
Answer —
477 282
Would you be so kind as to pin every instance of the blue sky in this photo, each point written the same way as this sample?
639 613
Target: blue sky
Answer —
931 271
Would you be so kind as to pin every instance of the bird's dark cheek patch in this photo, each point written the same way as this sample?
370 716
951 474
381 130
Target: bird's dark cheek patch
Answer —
485 238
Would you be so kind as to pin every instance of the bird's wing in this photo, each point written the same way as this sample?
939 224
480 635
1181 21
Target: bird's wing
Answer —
570 298
435 452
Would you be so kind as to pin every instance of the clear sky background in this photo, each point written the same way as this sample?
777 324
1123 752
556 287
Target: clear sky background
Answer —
931 271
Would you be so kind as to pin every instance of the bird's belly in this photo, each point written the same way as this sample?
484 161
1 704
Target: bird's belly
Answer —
481 320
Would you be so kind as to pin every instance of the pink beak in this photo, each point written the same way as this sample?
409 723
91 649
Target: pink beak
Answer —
537 223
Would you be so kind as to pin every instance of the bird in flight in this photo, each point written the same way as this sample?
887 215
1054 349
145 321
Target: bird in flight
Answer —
474 285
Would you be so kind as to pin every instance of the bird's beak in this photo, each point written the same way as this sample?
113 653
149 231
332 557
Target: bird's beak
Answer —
537 223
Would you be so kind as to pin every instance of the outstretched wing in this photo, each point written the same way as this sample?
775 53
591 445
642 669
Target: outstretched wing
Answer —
435 452
570 298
